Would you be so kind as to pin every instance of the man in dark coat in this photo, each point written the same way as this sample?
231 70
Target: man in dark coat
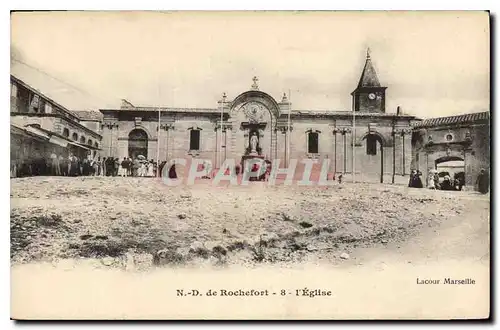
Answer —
412 177
172 174
483 182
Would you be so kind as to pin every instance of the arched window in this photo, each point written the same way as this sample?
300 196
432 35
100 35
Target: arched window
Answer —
82 140
96 144
89 142
66 132
371 145
75 137
137 143
313 142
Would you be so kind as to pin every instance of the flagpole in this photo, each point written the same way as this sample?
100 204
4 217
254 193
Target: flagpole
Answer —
220 134
158 138
288 129
353 142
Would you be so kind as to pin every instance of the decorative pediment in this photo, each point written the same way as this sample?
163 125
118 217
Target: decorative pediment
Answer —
195 127
137 121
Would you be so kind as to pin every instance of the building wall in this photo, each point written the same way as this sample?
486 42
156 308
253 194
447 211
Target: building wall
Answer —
57 125
476 153
175 136
336 145
92 125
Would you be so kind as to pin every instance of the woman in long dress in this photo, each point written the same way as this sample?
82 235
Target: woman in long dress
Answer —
151 172
431 181
142 169
121 169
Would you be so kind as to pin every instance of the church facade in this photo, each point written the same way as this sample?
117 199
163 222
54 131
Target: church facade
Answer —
256 123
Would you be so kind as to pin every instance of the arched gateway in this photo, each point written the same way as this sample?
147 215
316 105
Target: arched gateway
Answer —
137 143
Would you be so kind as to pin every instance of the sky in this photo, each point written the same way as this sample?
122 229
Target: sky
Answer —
433 63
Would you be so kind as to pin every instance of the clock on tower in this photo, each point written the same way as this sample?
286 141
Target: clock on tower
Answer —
369 95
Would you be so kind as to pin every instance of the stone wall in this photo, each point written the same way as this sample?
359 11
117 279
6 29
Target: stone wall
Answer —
174 141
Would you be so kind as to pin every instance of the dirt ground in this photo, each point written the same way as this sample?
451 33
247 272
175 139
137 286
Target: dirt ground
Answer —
139 223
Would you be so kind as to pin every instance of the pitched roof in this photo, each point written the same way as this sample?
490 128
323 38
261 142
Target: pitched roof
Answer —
368 76
454 120
42 95
88 115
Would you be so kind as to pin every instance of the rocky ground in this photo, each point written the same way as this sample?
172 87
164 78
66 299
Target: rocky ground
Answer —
139 223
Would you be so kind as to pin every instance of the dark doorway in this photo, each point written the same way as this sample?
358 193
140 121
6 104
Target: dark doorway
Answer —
138 143
374 142
451 166
313 143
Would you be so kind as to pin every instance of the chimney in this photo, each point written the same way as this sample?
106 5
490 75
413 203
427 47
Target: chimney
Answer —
398 111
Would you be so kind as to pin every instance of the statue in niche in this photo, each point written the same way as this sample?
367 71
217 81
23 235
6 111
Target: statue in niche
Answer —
254 143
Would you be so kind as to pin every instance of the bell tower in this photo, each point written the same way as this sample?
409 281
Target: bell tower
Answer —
369 96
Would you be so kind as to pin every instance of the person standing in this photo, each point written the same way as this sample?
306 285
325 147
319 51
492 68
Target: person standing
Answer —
432 185
97 166
417 181
70 164
412 178
102 169
54 164
62 165
129 166
117 166
135 167
110 165
483 182
123 168
172 174
151 172
13 168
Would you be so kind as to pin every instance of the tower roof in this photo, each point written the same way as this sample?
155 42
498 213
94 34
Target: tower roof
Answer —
369 76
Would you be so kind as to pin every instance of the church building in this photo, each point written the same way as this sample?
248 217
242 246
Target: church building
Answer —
256 123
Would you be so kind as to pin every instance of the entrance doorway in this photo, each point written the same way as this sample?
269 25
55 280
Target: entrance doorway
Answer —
375 152
137 143
451 166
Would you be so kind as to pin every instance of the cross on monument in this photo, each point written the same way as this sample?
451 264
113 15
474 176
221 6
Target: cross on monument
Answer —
368 53
254 85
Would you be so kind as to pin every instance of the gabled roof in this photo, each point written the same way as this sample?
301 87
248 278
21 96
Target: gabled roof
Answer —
88 115
368 76
469 118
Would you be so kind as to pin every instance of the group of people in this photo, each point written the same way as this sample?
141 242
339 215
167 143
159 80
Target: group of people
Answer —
136 167
54 164
74 165
447 183
415 179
